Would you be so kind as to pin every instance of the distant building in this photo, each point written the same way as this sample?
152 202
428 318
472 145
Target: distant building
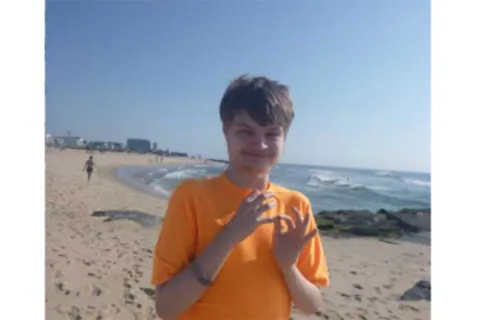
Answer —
115 146
105 146
178 154
96 145
139 145
70 142
154 146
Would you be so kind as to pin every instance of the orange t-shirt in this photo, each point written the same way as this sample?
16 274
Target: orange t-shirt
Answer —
250 284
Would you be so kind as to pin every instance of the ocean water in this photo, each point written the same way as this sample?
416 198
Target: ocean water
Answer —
327 188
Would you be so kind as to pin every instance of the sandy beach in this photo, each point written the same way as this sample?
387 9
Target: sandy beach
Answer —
98 267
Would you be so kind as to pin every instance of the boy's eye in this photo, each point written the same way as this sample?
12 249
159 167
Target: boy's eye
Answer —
273 134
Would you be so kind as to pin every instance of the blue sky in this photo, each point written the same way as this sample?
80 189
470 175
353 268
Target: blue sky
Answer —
359 72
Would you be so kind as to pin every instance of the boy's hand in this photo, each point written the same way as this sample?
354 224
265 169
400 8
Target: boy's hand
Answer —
288 245
247 217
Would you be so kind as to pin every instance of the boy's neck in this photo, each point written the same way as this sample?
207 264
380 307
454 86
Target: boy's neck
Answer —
247 180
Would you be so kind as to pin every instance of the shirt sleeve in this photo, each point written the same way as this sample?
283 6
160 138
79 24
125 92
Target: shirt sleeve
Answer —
311 262
175 246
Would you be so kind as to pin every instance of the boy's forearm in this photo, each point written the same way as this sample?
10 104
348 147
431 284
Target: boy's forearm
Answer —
305 295
183 290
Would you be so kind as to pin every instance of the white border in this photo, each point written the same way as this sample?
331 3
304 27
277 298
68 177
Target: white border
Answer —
455 164
22 236
455 103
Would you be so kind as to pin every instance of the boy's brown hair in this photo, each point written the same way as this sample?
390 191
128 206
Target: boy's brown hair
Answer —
264 100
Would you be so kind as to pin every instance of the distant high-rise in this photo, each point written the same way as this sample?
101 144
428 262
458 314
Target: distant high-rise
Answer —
139 145
154 146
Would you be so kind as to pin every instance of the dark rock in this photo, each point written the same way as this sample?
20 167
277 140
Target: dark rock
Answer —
364 231
144 219
403 222
369 224
99 214
324 224
420 291
423 284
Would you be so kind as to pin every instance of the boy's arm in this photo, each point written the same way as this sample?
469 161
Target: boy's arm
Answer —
176 285
310 273
180 292
305 295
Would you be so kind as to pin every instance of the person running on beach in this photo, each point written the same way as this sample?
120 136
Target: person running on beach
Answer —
89 164
236 246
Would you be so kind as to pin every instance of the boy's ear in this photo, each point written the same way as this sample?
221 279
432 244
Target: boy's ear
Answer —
225 128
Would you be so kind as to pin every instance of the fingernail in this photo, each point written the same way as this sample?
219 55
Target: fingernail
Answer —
252 197
272 203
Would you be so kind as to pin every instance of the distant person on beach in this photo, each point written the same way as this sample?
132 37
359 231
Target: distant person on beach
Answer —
236 246
89 164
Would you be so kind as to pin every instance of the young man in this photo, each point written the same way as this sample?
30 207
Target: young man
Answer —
236 246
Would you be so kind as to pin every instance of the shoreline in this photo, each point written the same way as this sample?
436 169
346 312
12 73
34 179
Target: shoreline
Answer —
114 176
130 182
413 225
99 266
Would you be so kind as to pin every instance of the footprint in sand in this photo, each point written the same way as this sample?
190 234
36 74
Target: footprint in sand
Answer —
86 262
60 286
329 315
91 310
405 307
96 290
74 313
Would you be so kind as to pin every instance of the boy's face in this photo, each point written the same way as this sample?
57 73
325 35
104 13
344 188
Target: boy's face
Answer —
251 146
